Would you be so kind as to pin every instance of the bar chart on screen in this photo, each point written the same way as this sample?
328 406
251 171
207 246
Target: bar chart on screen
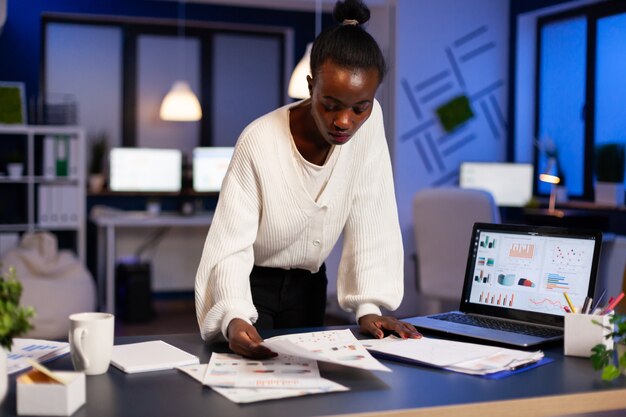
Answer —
496 298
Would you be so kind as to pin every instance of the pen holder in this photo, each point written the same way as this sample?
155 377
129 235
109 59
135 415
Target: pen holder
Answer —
584 331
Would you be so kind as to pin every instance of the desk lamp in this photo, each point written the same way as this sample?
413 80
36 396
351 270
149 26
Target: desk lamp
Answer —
551 176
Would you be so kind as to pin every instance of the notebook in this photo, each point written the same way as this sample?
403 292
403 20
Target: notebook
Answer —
155 355
514 281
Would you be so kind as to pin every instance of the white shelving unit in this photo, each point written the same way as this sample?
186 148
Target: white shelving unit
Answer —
34 177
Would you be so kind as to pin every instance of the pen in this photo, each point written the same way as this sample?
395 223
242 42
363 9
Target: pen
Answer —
569 302
599 300
585 307
613 303
567 310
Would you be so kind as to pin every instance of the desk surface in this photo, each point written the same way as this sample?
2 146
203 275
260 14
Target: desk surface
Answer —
119 218
409 390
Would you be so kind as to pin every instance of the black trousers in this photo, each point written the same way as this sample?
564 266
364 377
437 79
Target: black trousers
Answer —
288 298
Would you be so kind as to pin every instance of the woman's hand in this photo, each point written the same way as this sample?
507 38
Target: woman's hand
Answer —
245 340
377 326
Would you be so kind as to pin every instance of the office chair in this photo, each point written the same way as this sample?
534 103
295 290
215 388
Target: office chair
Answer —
442 223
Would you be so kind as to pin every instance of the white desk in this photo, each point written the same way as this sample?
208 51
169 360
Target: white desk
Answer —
107 221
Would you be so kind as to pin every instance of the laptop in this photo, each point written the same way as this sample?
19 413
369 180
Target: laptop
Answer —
514 283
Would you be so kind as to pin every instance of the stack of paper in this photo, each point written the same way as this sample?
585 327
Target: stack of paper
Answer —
246 380
37 350
462 357
294 372
155 355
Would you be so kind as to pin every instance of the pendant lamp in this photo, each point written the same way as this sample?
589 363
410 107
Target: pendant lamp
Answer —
180 104
298 85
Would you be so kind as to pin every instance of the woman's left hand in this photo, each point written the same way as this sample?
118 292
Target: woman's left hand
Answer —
377 325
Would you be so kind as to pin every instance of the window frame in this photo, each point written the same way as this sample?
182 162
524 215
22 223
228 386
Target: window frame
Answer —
592 13
134 27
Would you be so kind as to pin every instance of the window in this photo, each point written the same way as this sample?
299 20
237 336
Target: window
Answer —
119 69
580 90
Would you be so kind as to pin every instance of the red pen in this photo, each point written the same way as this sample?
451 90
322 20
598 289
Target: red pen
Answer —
612 304
567 310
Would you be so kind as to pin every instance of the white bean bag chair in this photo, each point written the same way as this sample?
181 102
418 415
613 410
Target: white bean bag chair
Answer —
54 282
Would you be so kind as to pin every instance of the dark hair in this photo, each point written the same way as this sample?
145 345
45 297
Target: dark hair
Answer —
348 45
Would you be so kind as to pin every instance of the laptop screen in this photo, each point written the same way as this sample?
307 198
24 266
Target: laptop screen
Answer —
521 272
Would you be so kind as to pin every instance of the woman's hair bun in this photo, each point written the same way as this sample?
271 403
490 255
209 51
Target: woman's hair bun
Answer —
351 10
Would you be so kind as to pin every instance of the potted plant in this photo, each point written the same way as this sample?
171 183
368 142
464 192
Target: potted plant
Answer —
609 167
14 319
612 362
99 148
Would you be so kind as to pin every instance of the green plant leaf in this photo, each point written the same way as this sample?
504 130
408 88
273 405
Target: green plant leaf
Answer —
622 361
14 320
600 356
610 372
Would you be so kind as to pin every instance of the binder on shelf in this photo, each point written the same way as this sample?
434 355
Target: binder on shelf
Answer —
74 158
68 196
58 205
62 150
49 158
44 206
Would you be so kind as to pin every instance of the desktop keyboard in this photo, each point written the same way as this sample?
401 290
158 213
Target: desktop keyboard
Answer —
504 325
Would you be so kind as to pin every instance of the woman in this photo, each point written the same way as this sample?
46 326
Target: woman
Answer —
300 176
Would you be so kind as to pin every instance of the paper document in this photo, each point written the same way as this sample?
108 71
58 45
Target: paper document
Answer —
248 395
283 371
38 350
456 356
335 346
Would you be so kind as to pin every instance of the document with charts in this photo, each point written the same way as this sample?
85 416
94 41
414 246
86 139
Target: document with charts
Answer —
335 346
469 358
254 394
35 349
282 371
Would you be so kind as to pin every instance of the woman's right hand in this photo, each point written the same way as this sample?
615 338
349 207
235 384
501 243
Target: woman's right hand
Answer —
245 340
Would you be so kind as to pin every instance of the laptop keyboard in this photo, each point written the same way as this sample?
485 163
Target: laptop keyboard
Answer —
506 326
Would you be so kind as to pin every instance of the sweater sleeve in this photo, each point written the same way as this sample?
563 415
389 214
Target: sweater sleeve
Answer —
222 287
371 273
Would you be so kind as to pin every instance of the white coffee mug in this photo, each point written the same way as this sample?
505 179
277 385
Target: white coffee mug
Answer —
91 341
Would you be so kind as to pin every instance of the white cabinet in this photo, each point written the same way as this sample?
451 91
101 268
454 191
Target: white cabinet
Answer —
50 193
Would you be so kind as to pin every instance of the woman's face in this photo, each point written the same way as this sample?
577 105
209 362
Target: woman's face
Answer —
341 100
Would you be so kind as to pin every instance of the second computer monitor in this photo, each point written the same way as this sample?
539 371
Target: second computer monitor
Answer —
209 167
511 184
145 170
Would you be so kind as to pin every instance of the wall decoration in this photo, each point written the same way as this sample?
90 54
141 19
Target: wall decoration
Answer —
452 106
454 113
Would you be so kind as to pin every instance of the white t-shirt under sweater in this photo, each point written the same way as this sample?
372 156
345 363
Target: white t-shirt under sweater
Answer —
266 216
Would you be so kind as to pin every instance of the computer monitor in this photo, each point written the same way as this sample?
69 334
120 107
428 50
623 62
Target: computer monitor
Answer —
511 184
209 167
145 170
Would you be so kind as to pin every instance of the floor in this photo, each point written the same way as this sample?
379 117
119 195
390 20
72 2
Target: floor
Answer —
176 316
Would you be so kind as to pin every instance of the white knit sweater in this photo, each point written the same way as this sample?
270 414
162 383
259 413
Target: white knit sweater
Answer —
265 216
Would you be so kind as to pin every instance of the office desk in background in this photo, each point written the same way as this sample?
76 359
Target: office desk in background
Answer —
564 387
107 221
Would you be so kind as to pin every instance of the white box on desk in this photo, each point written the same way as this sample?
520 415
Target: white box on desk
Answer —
51 398
583 331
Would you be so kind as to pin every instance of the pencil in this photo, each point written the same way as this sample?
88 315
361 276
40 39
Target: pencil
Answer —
612 304
569 302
